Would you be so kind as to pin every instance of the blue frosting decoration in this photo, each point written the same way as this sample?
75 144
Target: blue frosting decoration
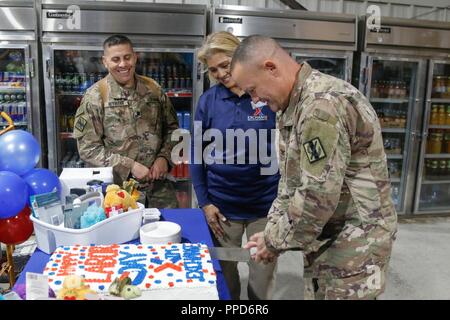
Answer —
131 261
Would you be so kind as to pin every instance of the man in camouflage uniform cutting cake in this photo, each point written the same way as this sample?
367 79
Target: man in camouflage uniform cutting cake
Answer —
125 121
334 198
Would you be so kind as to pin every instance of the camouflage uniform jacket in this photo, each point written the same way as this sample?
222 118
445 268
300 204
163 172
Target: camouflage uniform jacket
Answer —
131 125
334 201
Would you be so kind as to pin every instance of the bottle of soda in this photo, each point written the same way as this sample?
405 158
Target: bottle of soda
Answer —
91 79
76 83
58 82
68 83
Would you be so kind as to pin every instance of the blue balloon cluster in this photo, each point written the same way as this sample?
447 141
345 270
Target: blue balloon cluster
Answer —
19 154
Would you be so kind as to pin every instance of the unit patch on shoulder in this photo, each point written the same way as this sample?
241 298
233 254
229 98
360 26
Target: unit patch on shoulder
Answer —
314 150
80 124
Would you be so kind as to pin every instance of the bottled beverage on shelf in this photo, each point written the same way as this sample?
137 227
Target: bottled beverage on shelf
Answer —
374 89
434 116
187 120
68 82
403 90
75 83
439 87
170 83
448 170
92 79
59 82
188 83
434 144
447 118
395 195
446 146
180 119
442 117
447 96
434 167
442 172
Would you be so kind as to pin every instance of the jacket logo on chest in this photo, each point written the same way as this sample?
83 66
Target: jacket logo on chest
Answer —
314 150
258 115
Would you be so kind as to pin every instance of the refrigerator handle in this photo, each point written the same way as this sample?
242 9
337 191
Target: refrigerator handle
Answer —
364 75
31 67
47 67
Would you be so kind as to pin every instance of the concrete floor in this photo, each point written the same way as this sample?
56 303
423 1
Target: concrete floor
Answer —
419 268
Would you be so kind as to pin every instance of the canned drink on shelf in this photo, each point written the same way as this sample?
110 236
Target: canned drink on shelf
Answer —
20 111
187 120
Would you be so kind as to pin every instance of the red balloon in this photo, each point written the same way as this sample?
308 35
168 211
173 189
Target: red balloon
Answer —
16 229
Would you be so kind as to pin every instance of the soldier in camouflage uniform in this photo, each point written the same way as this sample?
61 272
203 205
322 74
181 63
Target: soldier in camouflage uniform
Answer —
334 198
125 121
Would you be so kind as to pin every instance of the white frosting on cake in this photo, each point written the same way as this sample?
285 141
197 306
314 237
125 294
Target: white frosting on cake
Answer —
172 271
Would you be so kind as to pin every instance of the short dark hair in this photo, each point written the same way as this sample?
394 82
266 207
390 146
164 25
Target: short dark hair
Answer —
250 46
115 40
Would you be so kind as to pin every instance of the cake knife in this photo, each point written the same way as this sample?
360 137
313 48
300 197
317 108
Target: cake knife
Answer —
229 254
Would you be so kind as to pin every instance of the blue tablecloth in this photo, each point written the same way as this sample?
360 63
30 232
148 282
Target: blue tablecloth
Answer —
193 229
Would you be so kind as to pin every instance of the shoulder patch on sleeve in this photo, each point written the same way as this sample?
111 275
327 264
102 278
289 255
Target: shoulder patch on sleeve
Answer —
314 150
80 124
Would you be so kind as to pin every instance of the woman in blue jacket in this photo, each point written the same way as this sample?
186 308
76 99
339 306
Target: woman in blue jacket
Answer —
232 187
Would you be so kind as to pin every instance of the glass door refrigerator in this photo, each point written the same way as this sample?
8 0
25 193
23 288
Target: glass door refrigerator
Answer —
421 179
19 81
433 187
326 41
166 39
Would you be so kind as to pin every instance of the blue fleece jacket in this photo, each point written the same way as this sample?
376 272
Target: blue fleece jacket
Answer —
240 191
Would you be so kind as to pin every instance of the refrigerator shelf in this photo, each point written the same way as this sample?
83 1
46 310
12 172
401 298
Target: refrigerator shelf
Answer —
438 155
16 124
8 89
394 130
388 100
447 181
440 100
435 126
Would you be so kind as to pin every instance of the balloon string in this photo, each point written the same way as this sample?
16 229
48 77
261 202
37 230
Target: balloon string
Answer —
9 120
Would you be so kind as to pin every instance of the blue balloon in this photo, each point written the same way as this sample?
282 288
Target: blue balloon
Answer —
13 194
19 152
41 181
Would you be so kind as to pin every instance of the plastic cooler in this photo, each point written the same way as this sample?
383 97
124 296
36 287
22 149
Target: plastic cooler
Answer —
117 229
